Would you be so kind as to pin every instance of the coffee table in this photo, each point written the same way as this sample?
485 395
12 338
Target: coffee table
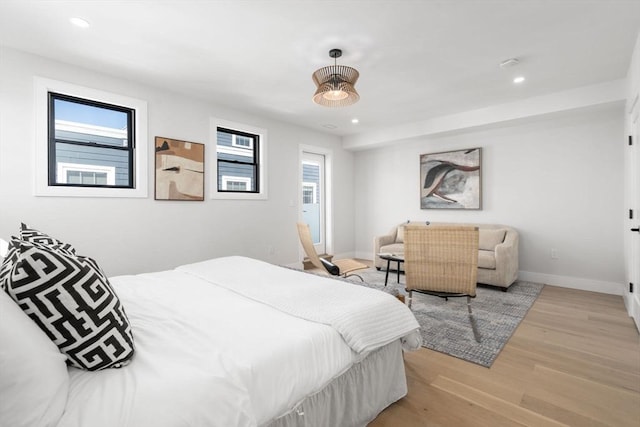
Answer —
397 258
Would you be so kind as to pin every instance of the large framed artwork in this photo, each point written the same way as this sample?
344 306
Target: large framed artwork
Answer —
179 170
451 180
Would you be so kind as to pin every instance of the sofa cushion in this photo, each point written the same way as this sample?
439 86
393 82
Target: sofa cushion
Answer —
490 238
400 234
487 259
394 248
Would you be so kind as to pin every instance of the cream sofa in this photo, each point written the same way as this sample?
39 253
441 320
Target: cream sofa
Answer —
497 256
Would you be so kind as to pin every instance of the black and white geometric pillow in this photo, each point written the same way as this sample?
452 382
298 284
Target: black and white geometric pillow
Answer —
7 263
71 300
29 234
14 250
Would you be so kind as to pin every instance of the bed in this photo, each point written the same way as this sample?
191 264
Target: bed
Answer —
231 341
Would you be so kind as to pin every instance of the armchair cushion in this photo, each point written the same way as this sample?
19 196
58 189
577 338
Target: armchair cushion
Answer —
486 259
490 238
394 248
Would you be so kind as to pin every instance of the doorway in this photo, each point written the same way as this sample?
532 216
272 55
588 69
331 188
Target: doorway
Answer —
632 223
313 195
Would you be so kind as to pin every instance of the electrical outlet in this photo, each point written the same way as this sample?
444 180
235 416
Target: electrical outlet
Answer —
554 253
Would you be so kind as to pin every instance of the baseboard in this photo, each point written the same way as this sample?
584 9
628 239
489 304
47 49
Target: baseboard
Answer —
632 303
364 255
348 255
562 281
572 282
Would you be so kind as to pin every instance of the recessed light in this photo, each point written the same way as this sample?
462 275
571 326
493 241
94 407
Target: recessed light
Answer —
79 22
518 79
355 121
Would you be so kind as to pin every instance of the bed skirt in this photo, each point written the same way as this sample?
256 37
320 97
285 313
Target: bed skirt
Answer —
356 397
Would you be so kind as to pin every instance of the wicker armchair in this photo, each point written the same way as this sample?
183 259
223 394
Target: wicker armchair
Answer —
442 261
339 267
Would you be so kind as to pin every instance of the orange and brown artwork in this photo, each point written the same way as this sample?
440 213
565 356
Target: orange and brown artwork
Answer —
179 170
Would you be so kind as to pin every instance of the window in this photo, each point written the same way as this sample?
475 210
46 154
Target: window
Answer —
74 173
235 183
94 136
238 160
308 193
242 141
86 142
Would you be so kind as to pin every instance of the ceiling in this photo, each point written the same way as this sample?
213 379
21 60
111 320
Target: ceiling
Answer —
417 59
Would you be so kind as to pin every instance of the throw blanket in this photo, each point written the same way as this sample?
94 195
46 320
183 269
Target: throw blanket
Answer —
366 318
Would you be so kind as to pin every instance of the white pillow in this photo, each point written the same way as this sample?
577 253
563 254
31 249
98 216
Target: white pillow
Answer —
4 247
34 383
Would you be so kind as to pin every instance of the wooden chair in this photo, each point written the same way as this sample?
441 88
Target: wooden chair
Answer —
339 267
442 261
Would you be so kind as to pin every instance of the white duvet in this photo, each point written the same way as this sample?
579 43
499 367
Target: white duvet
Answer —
207 356
357 313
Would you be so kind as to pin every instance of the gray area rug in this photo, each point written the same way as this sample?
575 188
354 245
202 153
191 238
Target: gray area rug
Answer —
445 325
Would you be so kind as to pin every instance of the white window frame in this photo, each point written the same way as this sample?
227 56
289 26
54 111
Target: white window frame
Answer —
228 178
212 158
63 168
42 88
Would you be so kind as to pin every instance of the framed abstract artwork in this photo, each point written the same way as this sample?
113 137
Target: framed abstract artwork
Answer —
451 180
179 170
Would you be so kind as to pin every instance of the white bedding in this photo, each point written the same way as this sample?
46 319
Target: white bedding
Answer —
364 317
207 356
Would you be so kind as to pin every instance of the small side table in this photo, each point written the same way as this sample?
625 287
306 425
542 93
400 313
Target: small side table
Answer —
397 258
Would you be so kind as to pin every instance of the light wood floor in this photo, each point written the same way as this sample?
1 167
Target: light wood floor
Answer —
574 360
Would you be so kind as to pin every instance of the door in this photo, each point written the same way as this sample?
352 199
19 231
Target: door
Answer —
632 224
313 197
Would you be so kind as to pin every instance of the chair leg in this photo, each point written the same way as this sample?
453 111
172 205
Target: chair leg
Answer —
357 275
410 298
469 305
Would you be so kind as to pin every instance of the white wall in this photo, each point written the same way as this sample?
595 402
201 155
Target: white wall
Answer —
137 235
558 180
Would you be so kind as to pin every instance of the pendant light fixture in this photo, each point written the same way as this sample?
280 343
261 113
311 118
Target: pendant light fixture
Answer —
335 83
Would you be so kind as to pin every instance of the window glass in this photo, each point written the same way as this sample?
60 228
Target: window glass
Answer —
237 156
97 138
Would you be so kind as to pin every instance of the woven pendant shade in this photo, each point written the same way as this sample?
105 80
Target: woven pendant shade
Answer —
335 84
